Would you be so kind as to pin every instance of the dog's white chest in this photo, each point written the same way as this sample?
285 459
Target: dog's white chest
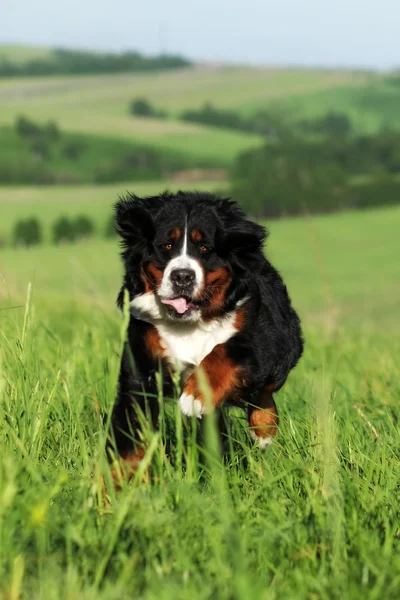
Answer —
189 344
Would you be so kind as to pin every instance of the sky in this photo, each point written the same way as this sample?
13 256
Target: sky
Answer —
351 33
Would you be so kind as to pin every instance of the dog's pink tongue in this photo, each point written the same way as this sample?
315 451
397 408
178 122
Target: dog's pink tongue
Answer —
179 304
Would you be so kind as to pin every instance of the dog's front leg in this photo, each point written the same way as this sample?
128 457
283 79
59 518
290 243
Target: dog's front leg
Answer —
222 377
263 417
136 400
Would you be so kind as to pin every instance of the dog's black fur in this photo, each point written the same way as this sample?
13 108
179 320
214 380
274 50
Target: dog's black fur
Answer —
268 342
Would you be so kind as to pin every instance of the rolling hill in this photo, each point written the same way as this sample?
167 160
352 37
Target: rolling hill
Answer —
99 104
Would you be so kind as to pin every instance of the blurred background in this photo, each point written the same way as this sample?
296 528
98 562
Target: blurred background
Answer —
292 109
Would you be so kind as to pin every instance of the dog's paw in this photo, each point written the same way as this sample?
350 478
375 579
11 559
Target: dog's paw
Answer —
261 442
190 406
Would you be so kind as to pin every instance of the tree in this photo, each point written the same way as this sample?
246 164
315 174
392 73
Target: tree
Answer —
142 108
336 124
25 127
63 230
83 227
51 131
27 232
73 149
110 230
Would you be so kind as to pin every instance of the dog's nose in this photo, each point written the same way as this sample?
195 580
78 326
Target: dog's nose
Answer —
183 278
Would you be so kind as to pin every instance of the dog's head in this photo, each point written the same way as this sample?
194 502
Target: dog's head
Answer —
186 256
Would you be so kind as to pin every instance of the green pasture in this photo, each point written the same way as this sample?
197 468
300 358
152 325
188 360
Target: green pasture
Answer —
47 203
341 268
175 91
315 517
371 107
97 158
100 104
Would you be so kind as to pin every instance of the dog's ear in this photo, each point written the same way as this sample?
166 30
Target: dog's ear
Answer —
133 222
244 238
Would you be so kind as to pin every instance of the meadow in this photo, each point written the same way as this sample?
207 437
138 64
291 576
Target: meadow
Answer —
316 516
99 105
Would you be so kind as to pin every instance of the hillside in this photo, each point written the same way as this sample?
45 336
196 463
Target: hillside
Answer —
100 104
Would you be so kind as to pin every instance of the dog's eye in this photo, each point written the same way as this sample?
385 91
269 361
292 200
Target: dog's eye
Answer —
167 246
203 248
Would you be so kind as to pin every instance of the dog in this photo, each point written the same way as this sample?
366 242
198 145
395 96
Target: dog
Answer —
202 297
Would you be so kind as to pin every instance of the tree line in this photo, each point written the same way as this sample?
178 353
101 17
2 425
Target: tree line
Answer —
292 177
78 62
268 122
43 154
29 232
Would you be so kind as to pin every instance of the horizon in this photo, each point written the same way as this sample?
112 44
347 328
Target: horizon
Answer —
345 34
198 61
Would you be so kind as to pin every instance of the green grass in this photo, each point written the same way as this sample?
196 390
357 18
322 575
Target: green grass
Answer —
327 260
100 104
49 202
371 107
316 517
99 159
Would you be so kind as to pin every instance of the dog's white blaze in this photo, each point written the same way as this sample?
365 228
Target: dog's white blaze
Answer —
190 406
183 261
184 247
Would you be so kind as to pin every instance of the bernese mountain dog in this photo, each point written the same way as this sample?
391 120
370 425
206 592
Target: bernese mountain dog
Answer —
202 296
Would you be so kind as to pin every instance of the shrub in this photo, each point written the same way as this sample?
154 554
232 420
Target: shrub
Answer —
270 123
333 124
25 172
336 124
295 176
110 230
209 115
27 232
40 147
63 230
83 227
25 127
383 190
139 163
73 149
142 108
51 131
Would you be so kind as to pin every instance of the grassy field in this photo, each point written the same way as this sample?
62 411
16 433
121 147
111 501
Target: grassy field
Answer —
371 107
79 159
316 517
332 254
100 104
48 203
